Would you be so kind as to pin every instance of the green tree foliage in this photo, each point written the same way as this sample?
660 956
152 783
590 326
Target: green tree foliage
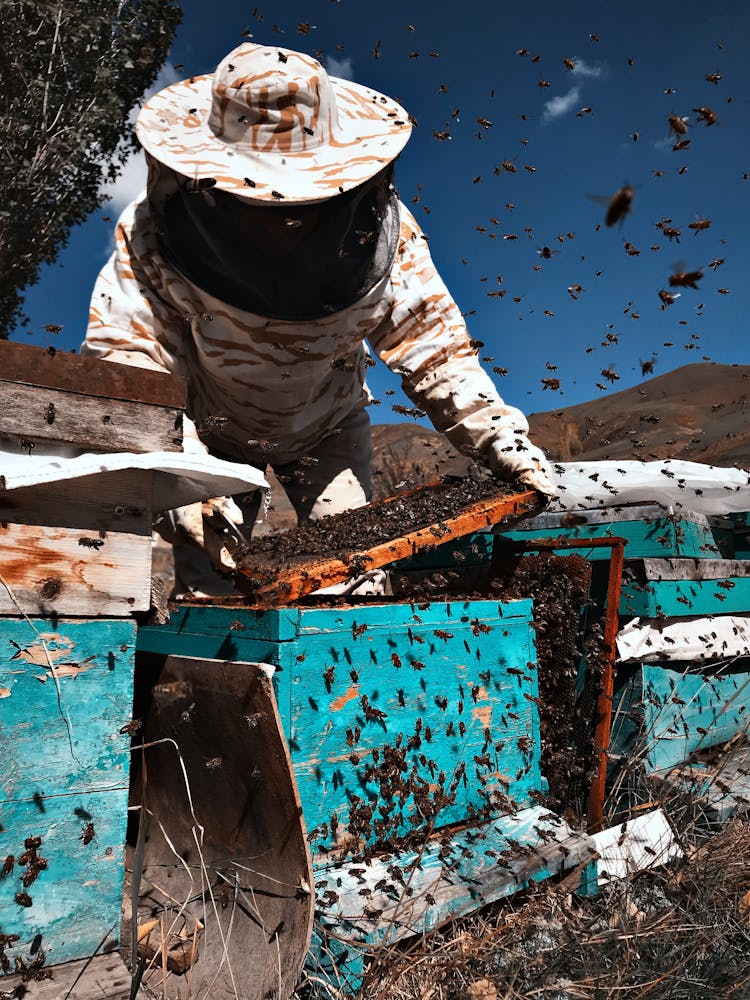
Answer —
70 72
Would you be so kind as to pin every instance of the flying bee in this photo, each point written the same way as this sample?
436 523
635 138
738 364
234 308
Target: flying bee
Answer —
713 78
699 225
667 299
619 205
685 279
569 63
677 125
706 115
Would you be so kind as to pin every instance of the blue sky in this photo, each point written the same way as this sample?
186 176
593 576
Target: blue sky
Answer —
452 64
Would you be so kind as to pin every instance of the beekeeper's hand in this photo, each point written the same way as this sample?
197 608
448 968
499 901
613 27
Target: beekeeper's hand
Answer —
213 525
512 456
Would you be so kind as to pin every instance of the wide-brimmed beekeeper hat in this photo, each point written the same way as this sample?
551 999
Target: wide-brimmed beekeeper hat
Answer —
271 125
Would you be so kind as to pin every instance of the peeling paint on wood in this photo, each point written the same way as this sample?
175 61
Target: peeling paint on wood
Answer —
65 780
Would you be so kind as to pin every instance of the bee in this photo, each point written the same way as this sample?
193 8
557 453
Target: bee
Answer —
132 727
91 543
87 833
671 233
198 184
682 144
551 383
699 225
619 206
685 279
484 122
569 63
8 864
677 125
713 78
716 263
23 899
667 299
706 115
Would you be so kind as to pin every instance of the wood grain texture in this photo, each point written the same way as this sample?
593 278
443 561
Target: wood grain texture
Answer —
74 373
65 765
49 571
108 501
51 416
246 875
104 977
376 903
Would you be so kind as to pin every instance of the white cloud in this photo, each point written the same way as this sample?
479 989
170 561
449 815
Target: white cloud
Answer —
132 179
128 185
342 68
556 107
582 68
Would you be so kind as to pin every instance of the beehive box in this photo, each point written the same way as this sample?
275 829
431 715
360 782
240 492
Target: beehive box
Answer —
50 397
658 588
650 531
398 717
79 547
65 696
662 715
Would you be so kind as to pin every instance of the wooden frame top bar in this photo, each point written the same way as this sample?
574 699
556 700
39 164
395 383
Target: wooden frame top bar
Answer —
292 583
106 379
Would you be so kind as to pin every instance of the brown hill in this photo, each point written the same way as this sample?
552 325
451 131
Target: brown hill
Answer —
700 413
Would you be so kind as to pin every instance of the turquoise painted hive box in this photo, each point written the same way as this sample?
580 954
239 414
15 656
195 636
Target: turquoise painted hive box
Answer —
400 717
67 691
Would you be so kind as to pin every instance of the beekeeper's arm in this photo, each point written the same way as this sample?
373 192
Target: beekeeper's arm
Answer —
131 322
425 340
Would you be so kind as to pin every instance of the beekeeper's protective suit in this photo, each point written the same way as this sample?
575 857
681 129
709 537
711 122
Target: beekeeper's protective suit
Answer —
269 246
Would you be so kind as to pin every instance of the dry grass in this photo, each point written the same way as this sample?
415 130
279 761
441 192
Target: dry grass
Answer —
681 932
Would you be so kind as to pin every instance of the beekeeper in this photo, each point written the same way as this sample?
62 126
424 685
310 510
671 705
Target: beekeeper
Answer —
269 246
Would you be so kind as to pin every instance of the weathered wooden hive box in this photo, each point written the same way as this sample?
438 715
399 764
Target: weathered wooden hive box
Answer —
75 562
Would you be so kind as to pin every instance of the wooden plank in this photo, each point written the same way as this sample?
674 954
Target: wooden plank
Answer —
42 416
49 570
662 538
108 501
292 583
63 370
688 569
65 766
239 831
104 977
383 900
675 598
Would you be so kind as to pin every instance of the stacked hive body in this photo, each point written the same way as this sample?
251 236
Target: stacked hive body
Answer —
413 731
74 566
683 679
